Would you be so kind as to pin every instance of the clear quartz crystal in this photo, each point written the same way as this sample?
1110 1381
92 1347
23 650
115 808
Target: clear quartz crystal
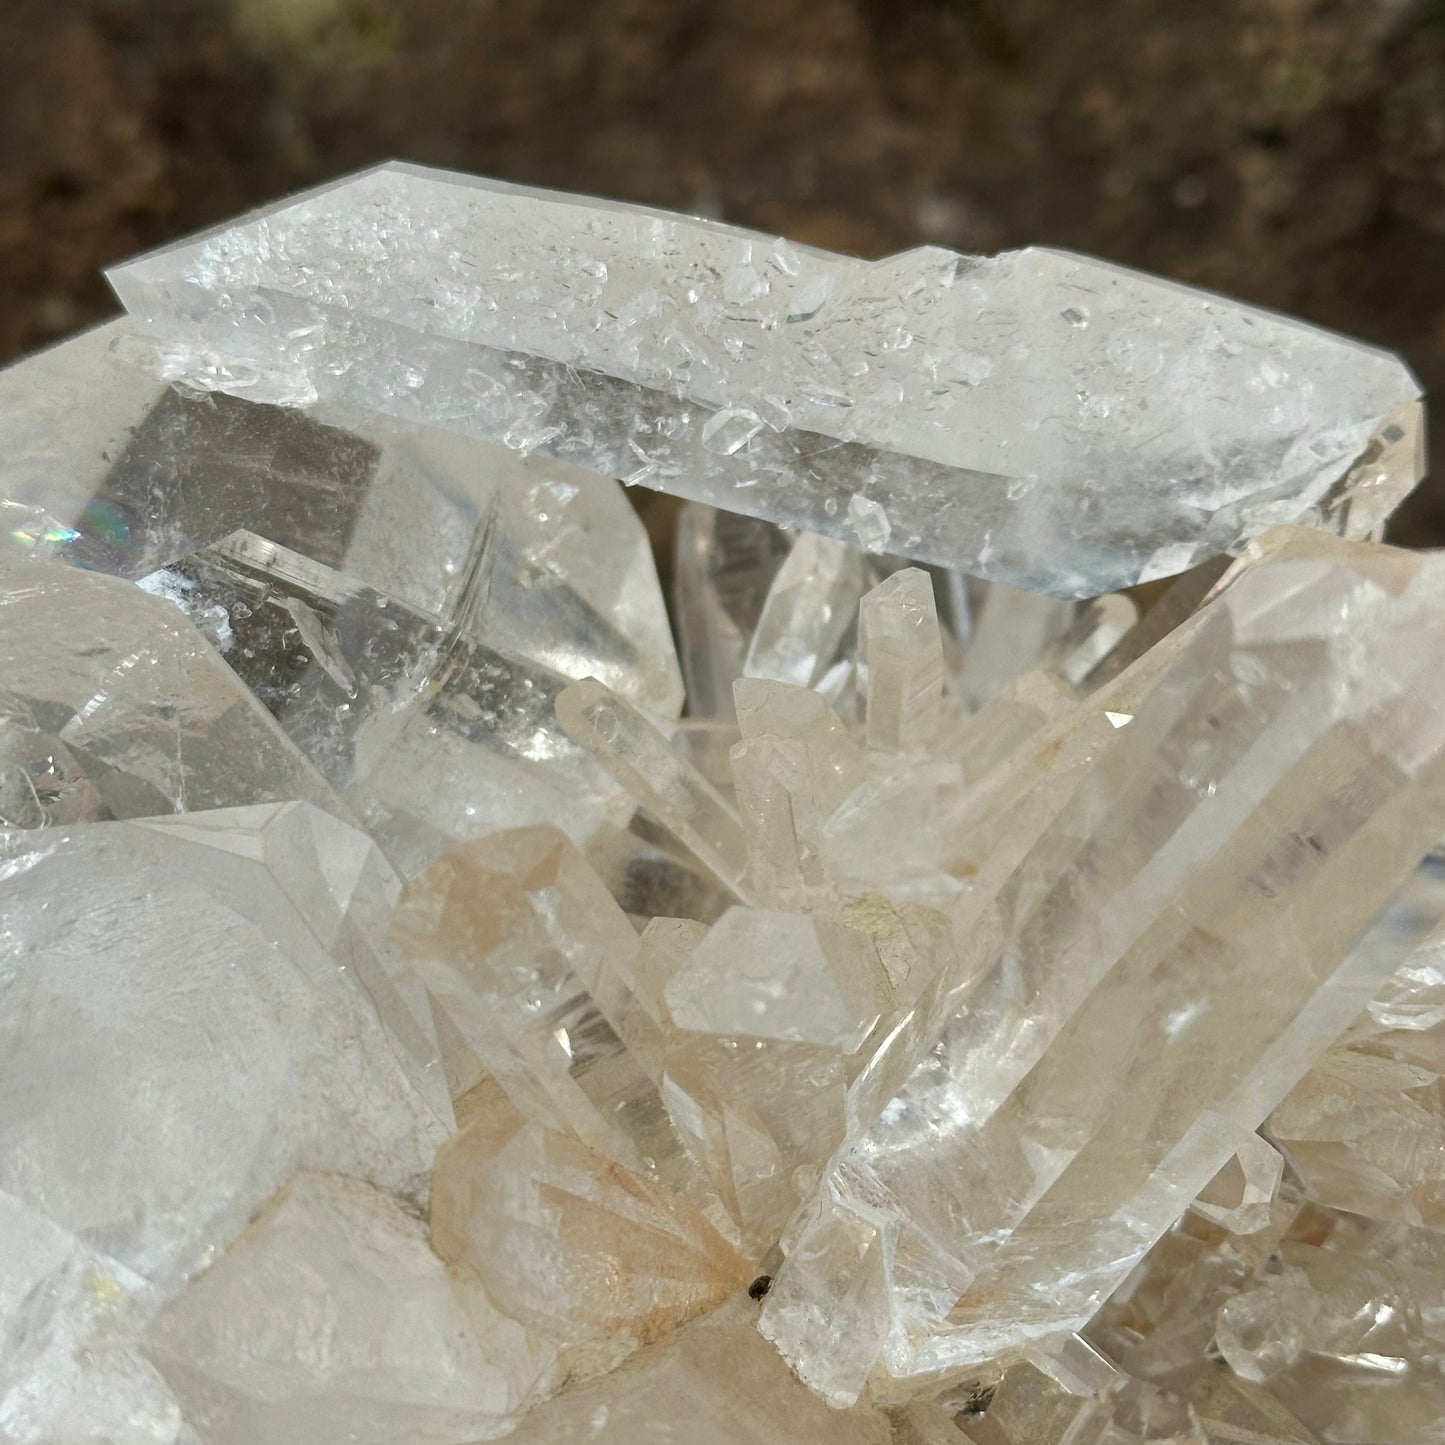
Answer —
1365 1128
531 962
112 705
1018 1158
1012 632
714 1382
671 788
414 1025
1241 1196
1345 1330
810 608
69 1317
110 469
118 472
1203 1406
794 977
725 366
431 734
900 647
723 567
794 767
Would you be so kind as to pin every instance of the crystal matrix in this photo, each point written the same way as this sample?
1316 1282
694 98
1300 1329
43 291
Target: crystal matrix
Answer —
982 1017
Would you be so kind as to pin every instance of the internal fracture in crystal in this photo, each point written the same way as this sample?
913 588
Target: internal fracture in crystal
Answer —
1037 417
970 1015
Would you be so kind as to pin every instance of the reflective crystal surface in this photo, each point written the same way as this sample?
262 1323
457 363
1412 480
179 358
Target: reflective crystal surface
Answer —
409 1352
935 1000
1038 417
68 1319
114 706
193 1009
431 735
1117 1042
214 971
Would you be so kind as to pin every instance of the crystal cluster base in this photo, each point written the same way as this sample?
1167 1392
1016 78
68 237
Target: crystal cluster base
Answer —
911 986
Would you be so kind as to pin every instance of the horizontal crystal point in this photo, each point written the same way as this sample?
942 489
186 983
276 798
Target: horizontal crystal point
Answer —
1209 908
194 1010
1038 417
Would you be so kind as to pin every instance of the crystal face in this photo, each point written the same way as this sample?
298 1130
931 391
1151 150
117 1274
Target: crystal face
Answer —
983 413
935 999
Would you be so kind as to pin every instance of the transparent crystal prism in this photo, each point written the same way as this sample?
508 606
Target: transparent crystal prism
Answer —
1044 1145
112 705
727 367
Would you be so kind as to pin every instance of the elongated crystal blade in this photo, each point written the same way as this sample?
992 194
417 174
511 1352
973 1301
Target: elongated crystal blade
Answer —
1275 786
1038 417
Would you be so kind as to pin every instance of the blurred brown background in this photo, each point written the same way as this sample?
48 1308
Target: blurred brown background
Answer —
1291 152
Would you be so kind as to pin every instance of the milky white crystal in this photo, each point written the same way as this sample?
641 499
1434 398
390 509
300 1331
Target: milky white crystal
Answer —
585 1253
1038 417
330 1321
715 1382
208 971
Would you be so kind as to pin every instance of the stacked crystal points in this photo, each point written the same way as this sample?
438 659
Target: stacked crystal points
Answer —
945 1000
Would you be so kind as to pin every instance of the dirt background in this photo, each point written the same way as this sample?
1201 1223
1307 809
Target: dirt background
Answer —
1291 152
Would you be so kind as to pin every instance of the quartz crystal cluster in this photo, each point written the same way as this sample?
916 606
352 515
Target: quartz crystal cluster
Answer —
915 983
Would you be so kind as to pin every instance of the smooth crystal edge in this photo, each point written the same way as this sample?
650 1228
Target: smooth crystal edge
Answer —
1126 427
414 1025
